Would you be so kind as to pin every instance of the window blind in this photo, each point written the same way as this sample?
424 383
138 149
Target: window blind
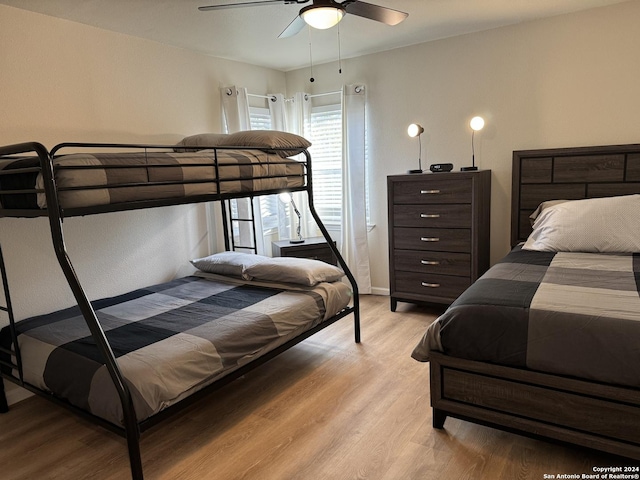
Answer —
325 134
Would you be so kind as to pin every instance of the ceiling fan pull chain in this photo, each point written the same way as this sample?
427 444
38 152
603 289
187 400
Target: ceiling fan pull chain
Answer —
310 56
339 52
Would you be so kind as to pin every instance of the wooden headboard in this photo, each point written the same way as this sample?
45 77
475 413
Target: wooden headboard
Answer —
569 174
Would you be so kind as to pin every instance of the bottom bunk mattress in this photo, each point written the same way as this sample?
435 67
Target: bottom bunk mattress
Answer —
170 340
575 314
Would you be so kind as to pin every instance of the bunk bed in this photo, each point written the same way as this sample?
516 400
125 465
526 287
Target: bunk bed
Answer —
545 343
186 330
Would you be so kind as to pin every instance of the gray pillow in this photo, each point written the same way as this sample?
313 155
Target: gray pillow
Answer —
202 140
267 140
302 271
226 263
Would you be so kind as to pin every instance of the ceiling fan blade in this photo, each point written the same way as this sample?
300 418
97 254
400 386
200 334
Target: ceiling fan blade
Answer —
241 4
375 12
293 28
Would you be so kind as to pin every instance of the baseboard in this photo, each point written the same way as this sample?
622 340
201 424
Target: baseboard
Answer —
16 394
379 291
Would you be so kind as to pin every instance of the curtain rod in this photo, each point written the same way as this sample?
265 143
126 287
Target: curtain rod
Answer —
323 94
268 97
307 96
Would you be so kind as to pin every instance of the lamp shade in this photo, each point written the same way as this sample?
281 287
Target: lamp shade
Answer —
414 130
322 17
285 197
476 123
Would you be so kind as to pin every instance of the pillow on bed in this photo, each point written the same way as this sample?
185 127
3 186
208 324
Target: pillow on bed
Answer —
227 263
610 224
543 206
200 140
303 271
268 139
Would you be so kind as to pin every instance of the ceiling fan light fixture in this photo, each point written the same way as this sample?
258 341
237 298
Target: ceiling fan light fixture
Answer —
322 17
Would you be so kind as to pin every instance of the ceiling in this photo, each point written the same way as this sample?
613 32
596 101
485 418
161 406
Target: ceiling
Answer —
250 34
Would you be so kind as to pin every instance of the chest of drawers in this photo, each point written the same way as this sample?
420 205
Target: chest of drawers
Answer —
438 234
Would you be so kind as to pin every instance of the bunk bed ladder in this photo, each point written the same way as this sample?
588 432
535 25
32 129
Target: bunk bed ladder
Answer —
241 220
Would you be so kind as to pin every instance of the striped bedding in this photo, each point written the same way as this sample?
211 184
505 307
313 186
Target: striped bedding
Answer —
170 340
86 180
574 314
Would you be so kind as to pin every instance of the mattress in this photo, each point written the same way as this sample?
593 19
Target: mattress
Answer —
170 340
87 180
575 314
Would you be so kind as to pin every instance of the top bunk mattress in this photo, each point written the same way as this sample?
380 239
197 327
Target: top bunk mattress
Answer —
90 180
170 340
575 314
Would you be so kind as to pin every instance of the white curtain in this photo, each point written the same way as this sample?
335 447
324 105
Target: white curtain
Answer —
278 114
235 106
277 110
292 115
298 118
299 113
355 245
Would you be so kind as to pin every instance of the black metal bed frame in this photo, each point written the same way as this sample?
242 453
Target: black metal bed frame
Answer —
132 428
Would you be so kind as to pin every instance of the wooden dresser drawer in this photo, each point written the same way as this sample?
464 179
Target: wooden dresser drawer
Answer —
433 190
444 263
435 215
437 239
445 286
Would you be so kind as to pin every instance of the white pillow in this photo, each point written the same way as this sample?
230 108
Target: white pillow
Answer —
303 271
542 207
610 224
227 263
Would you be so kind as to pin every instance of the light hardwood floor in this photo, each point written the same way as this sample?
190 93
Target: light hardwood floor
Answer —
326 409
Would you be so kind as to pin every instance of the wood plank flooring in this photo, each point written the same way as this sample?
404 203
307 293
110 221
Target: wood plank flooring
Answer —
326 409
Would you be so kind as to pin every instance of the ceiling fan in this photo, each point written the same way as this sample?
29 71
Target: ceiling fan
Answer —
323 14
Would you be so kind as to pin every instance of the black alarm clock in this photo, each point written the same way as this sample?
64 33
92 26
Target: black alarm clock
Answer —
441 167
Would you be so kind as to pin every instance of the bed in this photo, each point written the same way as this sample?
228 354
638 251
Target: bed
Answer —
546 342
129 361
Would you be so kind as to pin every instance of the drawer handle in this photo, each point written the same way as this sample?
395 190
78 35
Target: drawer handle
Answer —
429 215
430 239
430 285
430 262
430 192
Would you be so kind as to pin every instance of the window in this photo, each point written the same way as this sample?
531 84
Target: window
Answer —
324 130
325 134
260 119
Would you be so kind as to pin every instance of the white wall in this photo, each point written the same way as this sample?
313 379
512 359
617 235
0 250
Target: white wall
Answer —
63 81
565 81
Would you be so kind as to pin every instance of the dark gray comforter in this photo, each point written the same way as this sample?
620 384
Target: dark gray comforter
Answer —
170 340
575 314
